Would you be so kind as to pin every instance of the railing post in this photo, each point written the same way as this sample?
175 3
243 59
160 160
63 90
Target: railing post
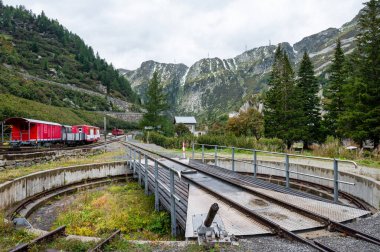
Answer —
233 158
134 162
146 175
139 167
2 132
255 164
192 154
156 196
203 153
130 158
216 155
172 205
287 170
336 182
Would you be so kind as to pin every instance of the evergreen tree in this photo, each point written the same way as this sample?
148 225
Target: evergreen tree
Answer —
156 103
282 110
362 120
309 101
334 92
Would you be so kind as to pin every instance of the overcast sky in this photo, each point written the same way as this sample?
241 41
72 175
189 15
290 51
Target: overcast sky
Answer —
128 32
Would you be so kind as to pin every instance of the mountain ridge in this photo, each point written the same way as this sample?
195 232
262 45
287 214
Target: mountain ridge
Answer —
213 86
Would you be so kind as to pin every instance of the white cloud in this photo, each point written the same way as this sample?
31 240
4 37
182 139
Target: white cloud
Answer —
129 32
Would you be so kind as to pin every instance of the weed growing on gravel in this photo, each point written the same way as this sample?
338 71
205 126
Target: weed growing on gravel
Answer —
10 236
117 207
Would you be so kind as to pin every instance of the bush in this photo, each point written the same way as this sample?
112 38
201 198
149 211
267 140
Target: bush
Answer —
167 142
269 144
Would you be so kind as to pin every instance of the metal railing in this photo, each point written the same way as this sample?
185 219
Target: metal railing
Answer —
286 170
140 169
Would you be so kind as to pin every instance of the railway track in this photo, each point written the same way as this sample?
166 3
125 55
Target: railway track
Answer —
46 237
29 150
246 185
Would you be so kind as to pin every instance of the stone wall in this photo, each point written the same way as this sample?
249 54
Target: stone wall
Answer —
21 188
129 117
9 161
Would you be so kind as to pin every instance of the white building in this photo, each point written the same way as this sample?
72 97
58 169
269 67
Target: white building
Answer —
189 121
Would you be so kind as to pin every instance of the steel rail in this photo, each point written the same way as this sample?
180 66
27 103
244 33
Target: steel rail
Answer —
99 247
26 246
324 220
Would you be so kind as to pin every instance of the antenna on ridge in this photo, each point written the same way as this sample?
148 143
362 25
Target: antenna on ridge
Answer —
208 55
246 47
270 43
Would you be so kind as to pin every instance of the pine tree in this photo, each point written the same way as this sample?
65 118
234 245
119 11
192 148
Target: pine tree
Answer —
308 89
156 103
334 92
362 120
282 110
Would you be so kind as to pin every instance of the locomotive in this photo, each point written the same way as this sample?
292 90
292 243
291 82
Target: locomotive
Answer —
35 132
117 132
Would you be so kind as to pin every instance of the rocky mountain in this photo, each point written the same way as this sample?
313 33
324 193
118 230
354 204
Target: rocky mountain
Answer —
215 86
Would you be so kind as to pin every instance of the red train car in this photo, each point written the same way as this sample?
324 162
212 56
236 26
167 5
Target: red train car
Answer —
34 132
117 132
92 133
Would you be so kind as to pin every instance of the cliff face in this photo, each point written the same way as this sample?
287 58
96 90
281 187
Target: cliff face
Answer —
214 86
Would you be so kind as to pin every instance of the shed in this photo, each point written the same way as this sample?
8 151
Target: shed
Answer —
189 121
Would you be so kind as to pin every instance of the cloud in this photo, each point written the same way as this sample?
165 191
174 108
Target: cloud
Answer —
128 32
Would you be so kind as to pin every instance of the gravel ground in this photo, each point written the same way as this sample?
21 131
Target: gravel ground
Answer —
370 226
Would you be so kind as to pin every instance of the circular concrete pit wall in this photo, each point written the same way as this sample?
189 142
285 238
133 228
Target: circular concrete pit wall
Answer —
21 188
365 188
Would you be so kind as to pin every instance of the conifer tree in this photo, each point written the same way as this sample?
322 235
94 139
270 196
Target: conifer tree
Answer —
309 101
282 112
362 120
334 92
156 103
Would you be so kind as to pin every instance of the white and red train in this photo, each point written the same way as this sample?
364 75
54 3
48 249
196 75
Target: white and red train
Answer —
35 132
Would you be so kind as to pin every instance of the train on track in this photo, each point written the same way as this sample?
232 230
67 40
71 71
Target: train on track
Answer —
42 133
117 132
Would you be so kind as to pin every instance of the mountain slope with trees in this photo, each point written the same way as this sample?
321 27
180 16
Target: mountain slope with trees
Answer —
39 46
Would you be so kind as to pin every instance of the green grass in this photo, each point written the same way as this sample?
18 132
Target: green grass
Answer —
10 237
123 207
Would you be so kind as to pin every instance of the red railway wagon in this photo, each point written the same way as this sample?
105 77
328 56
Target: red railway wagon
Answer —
92 133
30 131
117 132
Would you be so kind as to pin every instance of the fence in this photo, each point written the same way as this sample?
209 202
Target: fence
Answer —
286 162
139 169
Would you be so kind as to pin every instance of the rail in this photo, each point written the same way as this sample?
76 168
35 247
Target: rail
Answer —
103 243
26 246
286 170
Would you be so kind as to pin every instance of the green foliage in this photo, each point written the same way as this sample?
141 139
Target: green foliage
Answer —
269 144
310 118
10 236
181 130
282 110
156 104
248 123
361 119
334 92
45 48
167 142
12 106
117 207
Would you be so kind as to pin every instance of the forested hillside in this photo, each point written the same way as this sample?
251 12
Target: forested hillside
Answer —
40 46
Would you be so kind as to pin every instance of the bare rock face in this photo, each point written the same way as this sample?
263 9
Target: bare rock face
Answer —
214 86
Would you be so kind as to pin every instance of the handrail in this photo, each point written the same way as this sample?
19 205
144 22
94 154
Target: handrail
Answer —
282 153
286 163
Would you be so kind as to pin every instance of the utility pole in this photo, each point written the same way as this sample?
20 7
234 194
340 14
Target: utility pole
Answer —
105 132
